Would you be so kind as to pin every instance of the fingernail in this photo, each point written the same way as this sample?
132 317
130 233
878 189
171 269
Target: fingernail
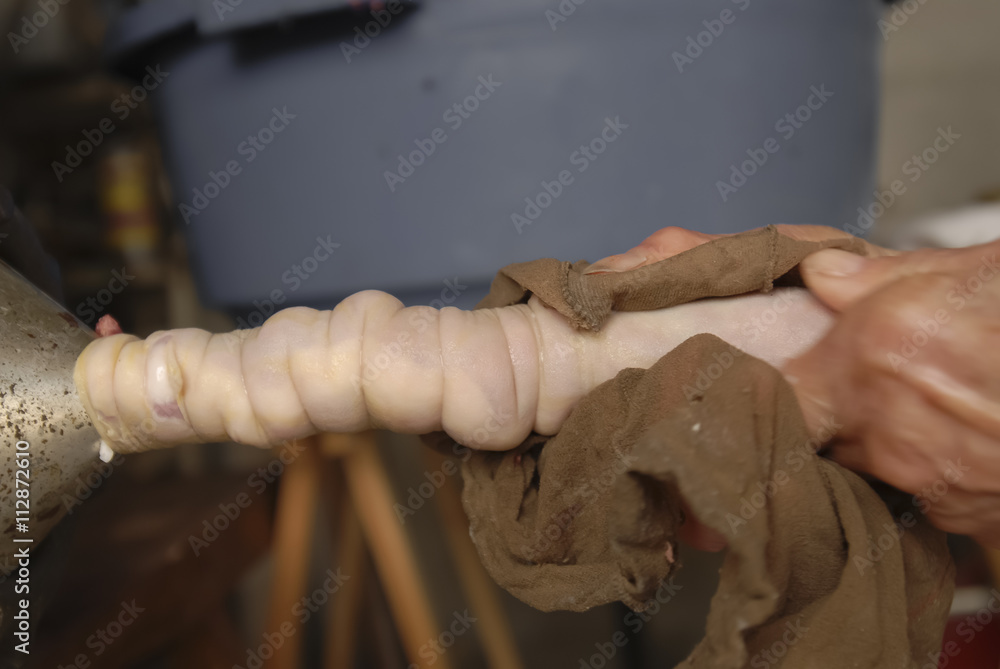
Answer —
834 263
619 263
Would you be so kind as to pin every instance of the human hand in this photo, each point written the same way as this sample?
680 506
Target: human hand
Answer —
672 241
907 373
911 374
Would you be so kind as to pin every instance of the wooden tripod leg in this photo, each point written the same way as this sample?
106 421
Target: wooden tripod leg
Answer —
349 547
293 530
388 652
396 564
493 630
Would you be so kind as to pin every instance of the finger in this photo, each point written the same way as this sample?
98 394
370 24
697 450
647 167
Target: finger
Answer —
925 336
971 403
698 535
840 279
921 450
954 499
960 511
107 326
917 447
660 245
856 356
973 514
914 383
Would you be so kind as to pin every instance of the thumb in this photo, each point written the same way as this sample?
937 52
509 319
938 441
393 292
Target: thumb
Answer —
839 278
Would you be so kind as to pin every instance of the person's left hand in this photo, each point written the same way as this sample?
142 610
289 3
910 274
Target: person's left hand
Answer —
669 242
672 241
911 370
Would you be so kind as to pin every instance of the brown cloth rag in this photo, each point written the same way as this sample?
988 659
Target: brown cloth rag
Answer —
819 571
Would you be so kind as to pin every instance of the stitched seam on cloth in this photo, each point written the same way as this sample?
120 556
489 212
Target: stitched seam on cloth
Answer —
772 260
575 299
567 292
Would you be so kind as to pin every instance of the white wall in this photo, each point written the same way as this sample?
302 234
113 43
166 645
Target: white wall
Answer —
941 68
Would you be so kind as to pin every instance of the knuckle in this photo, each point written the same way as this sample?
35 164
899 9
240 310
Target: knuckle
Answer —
882 323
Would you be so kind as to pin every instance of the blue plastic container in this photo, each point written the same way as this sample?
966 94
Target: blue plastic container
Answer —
457 137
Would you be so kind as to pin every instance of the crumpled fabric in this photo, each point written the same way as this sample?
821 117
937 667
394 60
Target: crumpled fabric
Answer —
819 567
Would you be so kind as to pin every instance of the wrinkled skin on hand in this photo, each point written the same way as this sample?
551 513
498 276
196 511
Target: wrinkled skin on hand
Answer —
909 374
912 371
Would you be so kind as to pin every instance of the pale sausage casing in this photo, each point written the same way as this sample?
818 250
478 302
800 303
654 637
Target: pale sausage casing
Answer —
488 377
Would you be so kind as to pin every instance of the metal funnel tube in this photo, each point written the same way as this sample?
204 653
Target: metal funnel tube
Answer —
42 418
